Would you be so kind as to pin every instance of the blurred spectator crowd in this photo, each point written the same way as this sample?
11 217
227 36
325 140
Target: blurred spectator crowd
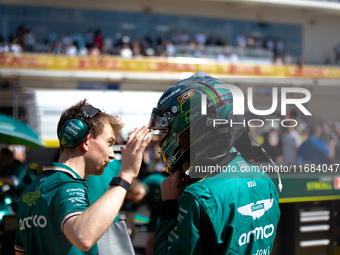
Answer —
317 143
171 44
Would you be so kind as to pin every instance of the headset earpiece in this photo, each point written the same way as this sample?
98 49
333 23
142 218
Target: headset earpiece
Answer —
72 132
75 131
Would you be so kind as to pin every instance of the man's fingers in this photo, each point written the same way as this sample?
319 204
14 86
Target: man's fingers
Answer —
144 144
135 146
122 149
181 178
178 174
172 187
132 135
176 177
142 132
137 135
135 142
186 179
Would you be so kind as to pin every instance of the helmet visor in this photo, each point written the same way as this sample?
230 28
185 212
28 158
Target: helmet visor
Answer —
160 121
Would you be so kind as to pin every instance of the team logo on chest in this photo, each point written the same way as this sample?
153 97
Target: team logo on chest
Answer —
256 210
31 197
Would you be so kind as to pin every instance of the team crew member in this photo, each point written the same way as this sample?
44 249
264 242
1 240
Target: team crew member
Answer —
54 214
146 192
12 171
233 211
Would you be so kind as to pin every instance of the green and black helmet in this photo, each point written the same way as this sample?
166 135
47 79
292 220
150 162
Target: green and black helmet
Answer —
188 124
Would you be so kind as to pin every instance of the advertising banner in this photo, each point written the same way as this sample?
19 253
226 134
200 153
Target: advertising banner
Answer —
164 65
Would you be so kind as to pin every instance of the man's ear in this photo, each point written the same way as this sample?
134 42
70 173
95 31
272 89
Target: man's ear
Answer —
85 144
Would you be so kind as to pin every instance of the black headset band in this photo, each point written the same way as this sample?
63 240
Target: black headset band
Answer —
89 111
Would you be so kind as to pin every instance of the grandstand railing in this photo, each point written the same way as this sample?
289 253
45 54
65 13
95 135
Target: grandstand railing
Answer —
255 55
249 55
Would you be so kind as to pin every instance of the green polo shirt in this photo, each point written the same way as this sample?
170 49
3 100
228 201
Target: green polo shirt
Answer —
58 192
153 199
242 205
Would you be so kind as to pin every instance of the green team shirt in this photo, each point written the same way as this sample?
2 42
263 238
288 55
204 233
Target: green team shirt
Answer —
57 193
153 198
243 207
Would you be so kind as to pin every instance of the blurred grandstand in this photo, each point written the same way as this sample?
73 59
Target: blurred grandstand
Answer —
148 45
123 54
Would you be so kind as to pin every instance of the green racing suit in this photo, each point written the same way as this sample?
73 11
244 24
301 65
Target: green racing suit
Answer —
242 206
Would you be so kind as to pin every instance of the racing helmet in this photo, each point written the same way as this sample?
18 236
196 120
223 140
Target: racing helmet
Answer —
189 131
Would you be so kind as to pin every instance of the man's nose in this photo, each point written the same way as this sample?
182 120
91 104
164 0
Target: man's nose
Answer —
111 154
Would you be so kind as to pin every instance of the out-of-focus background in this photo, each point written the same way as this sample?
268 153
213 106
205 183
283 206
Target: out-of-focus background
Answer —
122 55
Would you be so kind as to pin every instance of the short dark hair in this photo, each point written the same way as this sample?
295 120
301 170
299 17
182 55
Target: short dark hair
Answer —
99 120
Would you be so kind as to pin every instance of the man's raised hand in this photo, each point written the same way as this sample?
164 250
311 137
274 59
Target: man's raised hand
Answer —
132 154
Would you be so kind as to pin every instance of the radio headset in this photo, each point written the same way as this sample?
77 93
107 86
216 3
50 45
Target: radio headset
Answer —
75 130
275 168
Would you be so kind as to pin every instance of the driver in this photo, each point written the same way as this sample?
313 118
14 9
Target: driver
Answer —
227 206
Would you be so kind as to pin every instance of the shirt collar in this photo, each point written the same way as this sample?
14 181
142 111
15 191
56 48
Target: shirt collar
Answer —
54 166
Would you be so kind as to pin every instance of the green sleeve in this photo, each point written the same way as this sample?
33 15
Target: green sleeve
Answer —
71 197
181 235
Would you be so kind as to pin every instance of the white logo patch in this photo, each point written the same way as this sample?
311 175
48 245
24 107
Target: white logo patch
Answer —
256 210
243 165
